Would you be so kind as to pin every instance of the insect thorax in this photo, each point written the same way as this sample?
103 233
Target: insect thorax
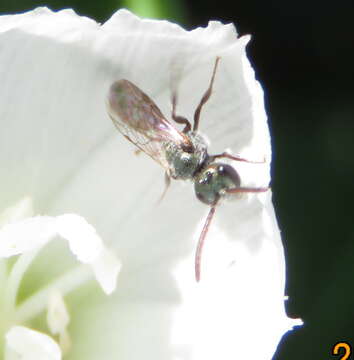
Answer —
184 165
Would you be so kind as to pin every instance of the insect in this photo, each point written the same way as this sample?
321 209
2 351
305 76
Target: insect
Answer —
183 154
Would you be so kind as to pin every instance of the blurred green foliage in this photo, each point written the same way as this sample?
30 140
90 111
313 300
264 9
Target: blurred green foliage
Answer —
303 54
157 9
102 10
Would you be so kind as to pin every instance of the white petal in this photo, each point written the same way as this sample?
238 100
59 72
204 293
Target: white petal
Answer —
240 293
58 319
26 344
88 247
106 268
82 237
57 315
26 235
23 236
87 168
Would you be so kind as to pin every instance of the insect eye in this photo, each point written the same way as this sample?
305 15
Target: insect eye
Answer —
228 173
221 170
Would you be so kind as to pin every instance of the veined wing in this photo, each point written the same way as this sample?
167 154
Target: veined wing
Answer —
138 118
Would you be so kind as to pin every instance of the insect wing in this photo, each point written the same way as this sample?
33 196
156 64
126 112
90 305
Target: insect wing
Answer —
137 117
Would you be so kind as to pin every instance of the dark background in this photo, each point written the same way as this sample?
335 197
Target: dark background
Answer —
303 53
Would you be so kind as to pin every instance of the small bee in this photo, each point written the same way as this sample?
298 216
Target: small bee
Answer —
183 154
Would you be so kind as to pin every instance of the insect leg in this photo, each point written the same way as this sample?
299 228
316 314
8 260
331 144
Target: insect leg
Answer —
235 157
177 118
198 252
247 190
167 185
205 97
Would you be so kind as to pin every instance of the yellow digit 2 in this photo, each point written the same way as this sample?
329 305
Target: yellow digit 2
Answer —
345 346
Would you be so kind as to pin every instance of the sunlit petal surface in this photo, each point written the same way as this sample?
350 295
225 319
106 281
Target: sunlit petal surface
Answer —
60 154
26 344
32 233
20 237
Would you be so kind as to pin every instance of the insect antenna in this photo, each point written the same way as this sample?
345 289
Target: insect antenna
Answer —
177 118
198 252
176 74
247 190
236 157
205 97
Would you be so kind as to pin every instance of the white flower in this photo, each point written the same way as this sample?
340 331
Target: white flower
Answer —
60 156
